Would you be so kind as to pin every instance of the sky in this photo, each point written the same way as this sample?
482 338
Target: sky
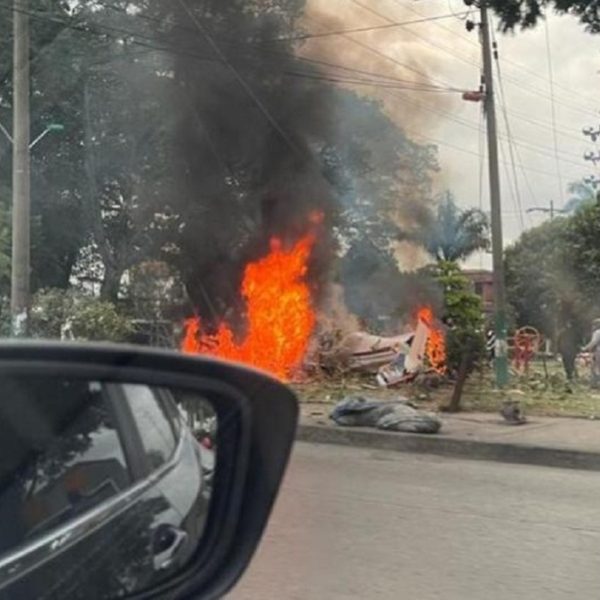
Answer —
441 52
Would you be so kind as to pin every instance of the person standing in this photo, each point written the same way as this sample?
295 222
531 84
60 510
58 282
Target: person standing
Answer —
594 348
568 346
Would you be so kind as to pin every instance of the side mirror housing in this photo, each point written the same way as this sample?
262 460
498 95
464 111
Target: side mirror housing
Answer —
133 472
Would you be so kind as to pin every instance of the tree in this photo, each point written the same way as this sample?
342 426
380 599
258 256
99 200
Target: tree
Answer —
533 266
454 234
58 313
582 239
546 282
79 48
527 13
58 55
582 194
463 313
172 128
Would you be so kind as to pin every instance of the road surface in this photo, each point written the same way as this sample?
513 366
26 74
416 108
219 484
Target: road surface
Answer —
360 524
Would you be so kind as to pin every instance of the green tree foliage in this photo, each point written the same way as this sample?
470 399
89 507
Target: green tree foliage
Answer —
546 280
581 194
173 151
454 234
527 13
99 320
463 313
582 243
58 313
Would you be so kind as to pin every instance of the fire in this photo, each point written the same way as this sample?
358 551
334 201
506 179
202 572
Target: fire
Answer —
435 348
279 313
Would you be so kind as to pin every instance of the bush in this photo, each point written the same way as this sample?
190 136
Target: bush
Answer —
465 340
58 313
97 320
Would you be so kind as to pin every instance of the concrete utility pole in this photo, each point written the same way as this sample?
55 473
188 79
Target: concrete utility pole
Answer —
501 353
20 271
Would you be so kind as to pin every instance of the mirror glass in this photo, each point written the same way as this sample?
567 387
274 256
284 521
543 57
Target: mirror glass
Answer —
104 486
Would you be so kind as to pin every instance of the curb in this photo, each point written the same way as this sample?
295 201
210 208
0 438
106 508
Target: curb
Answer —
439 445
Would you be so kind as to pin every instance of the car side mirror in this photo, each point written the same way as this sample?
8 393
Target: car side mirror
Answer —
129 472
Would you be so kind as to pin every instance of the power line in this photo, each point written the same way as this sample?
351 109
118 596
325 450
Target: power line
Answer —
367 82
395 61
541 124
471 152
520 116
538 149
481 152
88 30
553 109
261 106
513 186
574 96
101 30
178 51
434 19
516 114
98 29
299 37
361 71
104 31
510 141
84 28
337 32
453 53
515 150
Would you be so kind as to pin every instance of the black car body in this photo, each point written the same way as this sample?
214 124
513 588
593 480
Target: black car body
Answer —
107 493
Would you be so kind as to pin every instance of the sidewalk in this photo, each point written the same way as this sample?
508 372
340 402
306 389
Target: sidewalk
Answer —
556 442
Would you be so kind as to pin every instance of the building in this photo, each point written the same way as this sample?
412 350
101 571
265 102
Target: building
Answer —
483 285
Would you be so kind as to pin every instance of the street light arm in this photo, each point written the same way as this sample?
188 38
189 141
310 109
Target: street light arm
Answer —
51 127
6 133
39 137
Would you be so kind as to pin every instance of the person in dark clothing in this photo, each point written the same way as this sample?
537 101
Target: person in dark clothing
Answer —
568 346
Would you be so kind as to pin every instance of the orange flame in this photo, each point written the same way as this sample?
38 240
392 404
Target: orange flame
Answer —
435 348
279 313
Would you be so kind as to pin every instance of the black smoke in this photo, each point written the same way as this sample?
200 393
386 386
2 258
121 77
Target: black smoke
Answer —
245 149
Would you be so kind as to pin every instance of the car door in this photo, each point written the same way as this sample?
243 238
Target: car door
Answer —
78 508
112 495
171 458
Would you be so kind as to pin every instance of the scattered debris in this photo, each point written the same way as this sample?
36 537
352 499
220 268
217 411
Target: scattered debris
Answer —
398 415
512 412
394 360
367 353
406 365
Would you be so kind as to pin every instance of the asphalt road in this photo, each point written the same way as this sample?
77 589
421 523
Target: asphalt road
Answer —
359 524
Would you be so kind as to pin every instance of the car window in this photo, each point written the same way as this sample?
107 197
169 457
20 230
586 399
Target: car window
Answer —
70 460
153 423
173 412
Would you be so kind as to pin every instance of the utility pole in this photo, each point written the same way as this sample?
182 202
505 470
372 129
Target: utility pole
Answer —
20 271
501 348
552 211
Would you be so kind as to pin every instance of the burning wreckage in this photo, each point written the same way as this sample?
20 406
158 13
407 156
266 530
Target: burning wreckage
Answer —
393 360
281 322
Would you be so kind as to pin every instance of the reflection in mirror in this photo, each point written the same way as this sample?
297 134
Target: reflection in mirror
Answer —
103 485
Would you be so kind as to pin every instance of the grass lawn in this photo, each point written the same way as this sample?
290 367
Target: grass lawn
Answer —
543 391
